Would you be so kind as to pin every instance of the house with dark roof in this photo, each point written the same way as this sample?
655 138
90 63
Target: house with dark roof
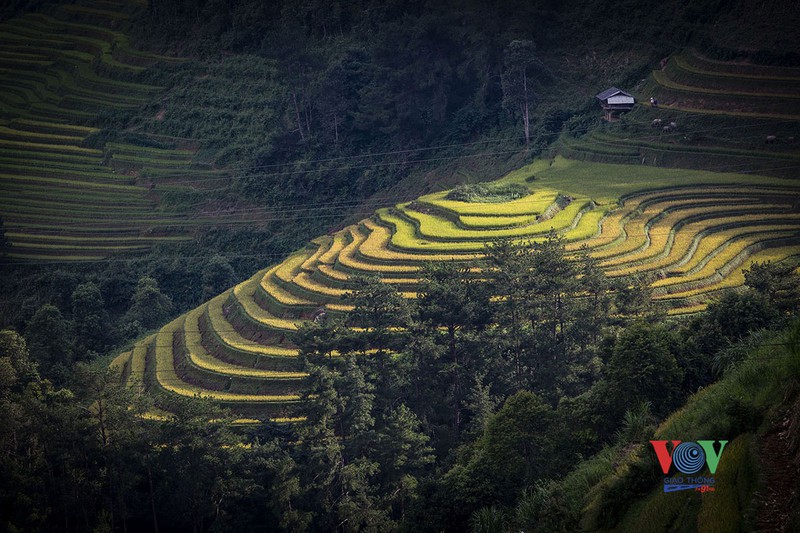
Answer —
615 102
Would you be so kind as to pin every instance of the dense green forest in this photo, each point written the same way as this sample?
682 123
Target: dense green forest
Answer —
442 413
499 404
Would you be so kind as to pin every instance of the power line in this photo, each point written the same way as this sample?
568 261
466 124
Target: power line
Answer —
287 212
649 137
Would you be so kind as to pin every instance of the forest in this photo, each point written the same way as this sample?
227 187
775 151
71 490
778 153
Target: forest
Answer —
440 413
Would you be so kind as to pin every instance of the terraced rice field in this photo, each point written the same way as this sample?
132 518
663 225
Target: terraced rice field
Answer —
63 196
729 116
693 231
691 81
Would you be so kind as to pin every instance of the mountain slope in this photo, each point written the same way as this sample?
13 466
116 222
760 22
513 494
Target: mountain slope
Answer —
694 232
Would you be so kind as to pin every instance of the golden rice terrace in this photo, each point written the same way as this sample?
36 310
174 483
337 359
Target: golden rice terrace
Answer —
693 231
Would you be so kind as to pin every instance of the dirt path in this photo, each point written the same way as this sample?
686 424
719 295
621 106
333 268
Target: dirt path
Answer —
779 464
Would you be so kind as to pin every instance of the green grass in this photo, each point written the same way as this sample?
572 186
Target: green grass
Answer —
22 135
753 389
607 182
722 511
681 70
739 69
52 184
665 79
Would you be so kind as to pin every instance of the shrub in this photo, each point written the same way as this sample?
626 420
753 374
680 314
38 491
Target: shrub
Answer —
480 192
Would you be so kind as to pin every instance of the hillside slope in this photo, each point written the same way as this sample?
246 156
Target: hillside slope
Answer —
693 232
755 408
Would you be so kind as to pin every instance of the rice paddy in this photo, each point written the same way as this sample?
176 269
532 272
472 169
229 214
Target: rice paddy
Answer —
698 230
63 195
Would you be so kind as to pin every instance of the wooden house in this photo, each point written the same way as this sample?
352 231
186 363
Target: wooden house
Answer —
615 102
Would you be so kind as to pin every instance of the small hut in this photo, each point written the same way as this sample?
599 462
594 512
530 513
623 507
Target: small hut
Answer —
615 102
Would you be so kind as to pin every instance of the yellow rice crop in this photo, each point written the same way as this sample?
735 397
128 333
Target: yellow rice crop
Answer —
736 278
376 247
635 235
229 336
636 227
686 236
200 357
323 245
728 250
588 225
474 222
279 293
290 266
244 295
329 257
169 380
305 281
725 245
687 310
404 237
660 232
612 226
437 228
138 363
350 255
119 362
332 273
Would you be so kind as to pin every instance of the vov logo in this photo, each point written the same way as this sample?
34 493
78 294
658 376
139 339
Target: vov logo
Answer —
689 458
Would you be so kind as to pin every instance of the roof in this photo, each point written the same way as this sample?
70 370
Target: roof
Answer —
608 93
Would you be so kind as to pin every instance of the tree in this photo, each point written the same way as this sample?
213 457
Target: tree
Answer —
218 275
726 321
403 453
516 448
381 312
150 308
542 299
633 297
194 468
91 323
595 303
338 93
16 367
336 442
452 308
643 368
517 443
520 66
49 342
778 282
